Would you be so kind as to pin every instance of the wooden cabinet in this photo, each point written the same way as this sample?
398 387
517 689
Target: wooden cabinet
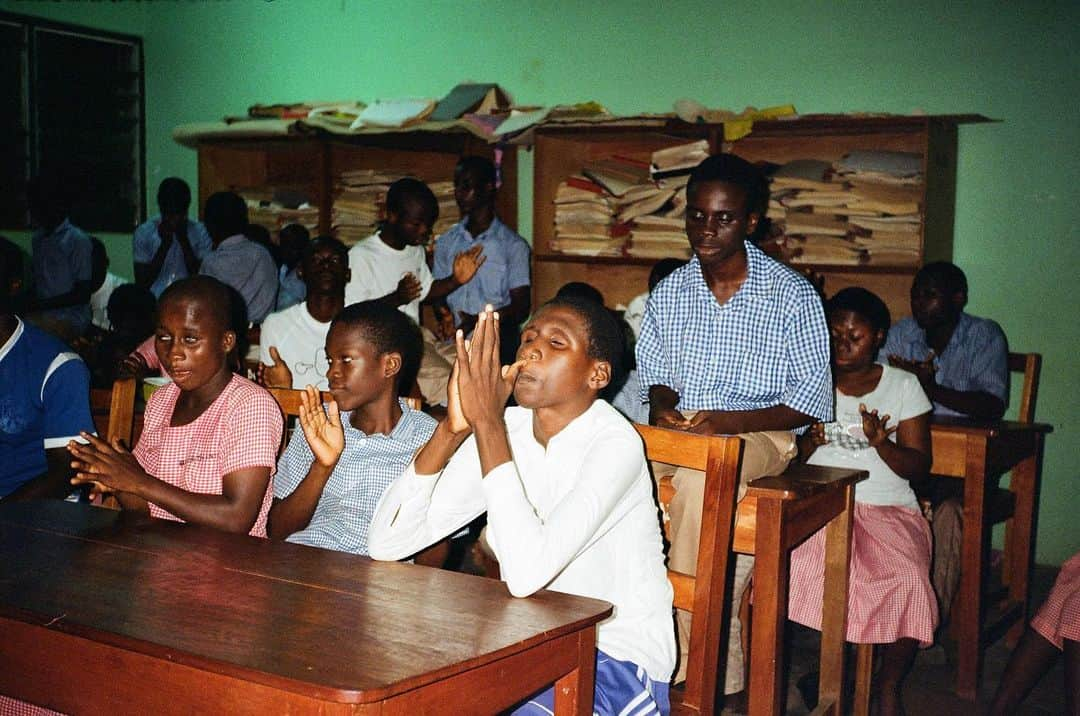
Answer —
311 165
561 151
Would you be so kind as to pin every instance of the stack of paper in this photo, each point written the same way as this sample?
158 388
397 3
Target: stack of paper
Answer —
448 211
360 204
275 208
865 208
657 237
678 160
584 220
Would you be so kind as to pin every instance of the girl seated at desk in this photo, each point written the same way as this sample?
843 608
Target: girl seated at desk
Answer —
210 438
882 426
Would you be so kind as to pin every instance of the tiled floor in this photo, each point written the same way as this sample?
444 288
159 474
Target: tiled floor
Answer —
928 689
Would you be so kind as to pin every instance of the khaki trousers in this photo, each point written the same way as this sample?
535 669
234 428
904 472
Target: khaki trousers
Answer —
436 363
764 453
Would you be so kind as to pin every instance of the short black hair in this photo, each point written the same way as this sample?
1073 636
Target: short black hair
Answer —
132 306
217 297
225 214
294 232
410 189
389 331
606 340
173 196
733 169
662 269
863 303
942 274
482 168
319 241
580 289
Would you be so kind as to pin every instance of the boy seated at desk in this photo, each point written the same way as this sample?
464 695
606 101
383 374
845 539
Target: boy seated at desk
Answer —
292 341
564 482
333 473
962 362
44 397
732 343
391 266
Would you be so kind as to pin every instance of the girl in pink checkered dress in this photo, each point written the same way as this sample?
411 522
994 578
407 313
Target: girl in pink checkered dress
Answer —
883 426
1055 630
210 438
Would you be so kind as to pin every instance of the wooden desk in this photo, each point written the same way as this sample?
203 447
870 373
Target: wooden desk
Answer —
100 616
776 515
979 453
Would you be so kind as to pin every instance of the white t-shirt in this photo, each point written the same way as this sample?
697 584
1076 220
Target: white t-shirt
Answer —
577 517
899 395
301 343
635 312
99 300
377 269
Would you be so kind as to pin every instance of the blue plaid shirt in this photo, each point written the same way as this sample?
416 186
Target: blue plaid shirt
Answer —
367 466
976 358
767 345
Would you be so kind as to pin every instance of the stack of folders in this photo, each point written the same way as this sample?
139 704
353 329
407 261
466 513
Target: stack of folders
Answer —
862 209
638 204
360 203
274 208
448 211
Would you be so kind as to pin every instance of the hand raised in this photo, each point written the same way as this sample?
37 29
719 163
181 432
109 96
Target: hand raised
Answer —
484 385
467 263
275 375
875 427
322 428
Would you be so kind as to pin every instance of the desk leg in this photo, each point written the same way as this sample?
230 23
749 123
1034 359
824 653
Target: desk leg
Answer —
835 603
574 692
1020 532
771 574
976 548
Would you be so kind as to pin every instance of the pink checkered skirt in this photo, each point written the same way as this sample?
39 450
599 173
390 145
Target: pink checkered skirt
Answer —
14 707
1058 618
889 592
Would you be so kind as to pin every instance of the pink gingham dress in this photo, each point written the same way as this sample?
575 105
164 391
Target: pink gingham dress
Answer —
241 429
1058 618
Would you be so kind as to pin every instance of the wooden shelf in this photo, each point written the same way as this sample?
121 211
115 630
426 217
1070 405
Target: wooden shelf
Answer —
561 151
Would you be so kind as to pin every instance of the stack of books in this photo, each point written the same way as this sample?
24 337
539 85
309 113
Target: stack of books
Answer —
584 220
448 211
359 204
275 208
864 208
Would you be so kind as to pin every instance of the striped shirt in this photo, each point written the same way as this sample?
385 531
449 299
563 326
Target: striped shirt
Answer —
767 345
368 464
975 359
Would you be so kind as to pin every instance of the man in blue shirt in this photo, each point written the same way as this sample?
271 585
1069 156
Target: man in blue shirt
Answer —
236 260
962 362
61 260
44 398
170 246
731 343
503 278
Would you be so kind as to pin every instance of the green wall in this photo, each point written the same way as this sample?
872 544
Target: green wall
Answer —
1016 218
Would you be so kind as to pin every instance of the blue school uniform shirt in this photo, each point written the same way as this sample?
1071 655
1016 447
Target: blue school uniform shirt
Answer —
505 267
976 357
247 267
44 402
767 345
367 466
146 242
291 288
61 258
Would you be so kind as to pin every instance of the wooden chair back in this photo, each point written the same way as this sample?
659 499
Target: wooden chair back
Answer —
118 405
1030 364
706 594
289 400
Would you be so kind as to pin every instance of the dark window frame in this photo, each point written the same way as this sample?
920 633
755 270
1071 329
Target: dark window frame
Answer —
25 112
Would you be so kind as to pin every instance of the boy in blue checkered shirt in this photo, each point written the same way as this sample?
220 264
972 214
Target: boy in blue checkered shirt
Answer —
732 343
331 475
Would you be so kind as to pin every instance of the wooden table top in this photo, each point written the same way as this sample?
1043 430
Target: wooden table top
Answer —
329 625
959 424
